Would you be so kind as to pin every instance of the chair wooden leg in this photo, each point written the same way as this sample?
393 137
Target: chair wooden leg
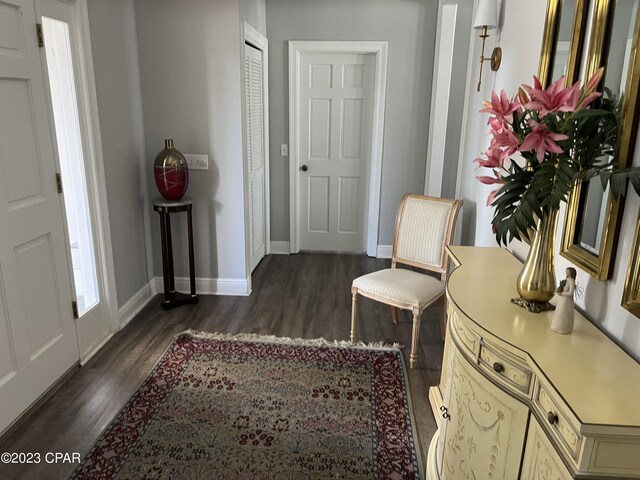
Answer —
415 337
354 316
394 314
443 317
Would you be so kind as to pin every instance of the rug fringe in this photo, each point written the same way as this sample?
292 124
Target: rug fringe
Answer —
315 342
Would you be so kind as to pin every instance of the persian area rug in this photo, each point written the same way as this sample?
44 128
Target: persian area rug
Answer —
241 407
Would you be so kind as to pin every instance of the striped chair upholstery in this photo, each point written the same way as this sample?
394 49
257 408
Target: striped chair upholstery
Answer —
424 226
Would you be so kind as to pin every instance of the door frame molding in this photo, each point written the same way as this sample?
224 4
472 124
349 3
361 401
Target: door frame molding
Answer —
440 98
380 50
94 165
254 38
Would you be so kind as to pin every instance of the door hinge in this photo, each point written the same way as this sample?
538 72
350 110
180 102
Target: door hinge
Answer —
74 307
59 182
40 34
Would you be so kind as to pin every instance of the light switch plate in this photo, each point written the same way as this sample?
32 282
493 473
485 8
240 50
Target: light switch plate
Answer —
197 162
284 149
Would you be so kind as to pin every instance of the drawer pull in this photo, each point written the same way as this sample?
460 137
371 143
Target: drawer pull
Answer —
498 367
445 413
552 417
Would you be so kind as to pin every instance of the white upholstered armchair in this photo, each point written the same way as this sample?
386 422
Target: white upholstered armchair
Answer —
424 225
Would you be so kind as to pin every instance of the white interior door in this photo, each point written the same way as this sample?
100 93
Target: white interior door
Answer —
255 137
37 335
336 98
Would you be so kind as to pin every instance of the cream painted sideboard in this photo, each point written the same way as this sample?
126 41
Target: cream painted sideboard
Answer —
518 401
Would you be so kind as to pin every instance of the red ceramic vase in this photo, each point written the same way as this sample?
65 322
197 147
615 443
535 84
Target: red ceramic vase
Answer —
171 172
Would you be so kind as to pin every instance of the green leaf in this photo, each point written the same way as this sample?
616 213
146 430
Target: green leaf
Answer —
618 184
590 112
634 177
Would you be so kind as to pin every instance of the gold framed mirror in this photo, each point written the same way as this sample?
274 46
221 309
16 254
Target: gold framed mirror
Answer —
631 295
563 40
593 216
562 45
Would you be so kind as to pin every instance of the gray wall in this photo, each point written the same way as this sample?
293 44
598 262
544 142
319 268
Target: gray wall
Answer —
254 12
409 26
190 77
115 57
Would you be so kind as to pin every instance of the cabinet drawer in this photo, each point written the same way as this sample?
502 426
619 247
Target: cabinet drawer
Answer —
467 339
561 423
506 368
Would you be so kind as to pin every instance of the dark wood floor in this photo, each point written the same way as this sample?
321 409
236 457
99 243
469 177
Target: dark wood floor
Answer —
305 295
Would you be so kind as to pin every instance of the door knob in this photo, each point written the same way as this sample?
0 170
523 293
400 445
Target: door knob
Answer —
304 168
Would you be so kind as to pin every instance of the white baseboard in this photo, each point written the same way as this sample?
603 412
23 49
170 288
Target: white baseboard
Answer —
136 303
280 248
93 349
385 251
210 286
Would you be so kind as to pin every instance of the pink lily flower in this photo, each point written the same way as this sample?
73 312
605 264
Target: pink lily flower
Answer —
589 93
495 158
579 100
492 196
504 152
490 180
542 140
523 98
574 98
497 125
505 139
502 137
556 98
500 106
593 82
587 100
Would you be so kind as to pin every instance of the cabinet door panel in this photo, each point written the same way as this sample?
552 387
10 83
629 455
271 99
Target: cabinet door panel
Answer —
541 462
486 429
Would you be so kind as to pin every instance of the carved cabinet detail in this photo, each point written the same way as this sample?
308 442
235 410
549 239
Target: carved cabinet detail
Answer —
541 462
485 428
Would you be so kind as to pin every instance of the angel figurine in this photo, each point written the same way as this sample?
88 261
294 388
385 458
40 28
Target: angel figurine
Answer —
563 316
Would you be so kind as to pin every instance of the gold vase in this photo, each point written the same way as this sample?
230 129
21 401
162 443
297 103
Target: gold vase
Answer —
537 281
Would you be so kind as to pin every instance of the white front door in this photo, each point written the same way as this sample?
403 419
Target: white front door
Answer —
73 145
254 115
336 99
37 336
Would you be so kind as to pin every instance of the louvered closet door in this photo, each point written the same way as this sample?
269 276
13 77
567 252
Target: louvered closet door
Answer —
37 332
255 152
